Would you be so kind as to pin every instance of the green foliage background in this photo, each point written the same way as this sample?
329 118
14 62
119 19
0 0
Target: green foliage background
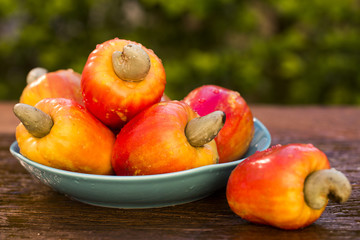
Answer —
271 51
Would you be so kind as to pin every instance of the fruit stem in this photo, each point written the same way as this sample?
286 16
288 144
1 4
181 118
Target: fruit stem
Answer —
324 184
202 130
34 74
132 64
37 122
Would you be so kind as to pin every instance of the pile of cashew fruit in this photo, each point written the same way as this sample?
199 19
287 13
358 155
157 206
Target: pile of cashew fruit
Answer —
115 119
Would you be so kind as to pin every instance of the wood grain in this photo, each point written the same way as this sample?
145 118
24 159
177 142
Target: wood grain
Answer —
30 210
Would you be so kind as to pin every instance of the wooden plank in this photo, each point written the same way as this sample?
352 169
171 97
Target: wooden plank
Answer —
8 121
30 210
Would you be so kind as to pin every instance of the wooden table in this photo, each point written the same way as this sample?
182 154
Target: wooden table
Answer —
31 210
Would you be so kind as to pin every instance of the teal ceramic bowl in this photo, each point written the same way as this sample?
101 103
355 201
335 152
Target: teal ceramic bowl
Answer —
141 191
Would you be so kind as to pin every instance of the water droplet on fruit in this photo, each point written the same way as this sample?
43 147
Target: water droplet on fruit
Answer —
216 91
201 100
130 85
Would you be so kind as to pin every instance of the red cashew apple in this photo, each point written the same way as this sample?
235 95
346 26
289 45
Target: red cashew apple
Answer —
285 186
235 137
61 133
120 79
166 137
58 84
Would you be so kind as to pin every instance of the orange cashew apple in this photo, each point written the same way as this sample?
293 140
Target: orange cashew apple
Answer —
285 186
120 79
58 84
61 133
167 137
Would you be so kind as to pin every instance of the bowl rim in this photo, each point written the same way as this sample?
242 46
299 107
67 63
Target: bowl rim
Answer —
14 149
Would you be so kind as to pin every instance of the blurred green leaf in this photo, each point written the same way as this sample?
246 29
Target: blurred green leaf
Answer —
281 52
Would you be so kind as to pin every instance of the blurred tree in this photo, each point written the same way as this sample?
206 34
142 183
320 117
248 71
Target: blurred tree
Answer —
271 51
